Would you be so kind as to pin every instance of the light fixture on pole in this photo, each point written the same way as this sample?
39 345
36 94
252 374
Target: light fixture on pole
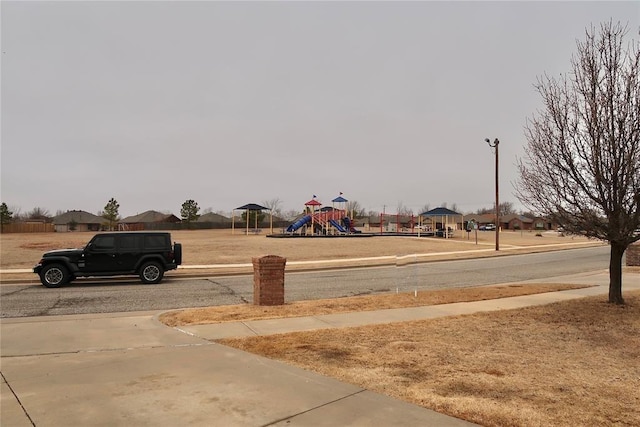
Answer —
495 145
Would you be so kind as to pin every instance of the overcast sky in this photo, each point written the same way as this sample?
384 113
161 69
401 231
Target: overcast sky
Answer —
228 103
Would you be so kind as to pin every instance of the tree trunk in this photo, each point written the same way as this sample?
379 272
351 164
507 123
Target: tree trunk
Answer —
615 273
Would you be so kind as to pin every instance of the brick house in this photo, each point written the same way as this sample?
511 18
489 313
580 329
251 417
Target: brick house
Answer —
78 221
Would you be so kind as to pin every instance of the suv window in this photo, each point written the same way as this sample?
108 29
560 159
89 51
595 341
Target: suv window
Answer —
128 242
155 241
104 243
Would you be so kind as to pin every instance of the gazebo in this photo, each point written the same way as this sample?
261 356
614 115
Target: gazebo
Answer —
248 208
444 215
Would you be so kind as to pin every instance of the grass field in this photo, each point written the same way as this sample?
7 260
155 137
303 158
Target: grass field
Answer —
205 247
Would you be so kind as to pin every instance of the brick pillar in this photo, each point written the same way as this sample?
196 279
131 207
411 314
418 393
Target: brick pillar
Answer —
268 280
633 255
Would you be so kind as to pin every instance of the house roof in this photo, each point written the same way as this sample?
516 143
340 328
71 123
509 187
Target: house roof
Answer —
80 217
481 218
491 218
521 218
213 217
150 216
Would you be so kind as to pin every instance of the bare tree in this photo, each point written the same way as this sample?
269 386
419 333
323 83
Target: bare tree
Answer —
18 215
582 161
291 214
354 209
39 214
506 208
275 205
403 209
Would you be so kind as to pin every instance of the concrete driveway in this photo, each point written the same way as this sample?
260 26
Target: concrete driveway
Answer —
129 369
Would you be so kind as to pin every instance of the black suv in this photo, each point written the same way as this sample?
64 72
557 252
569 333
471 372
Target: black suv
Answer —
147 254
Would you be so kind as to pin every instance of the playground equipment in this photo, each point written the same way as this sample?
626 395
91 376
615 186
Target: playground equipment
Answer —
325 221
322 222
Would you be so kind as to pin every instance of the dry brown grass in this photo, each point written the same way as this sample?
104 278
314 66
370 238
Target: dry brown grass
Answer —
232 313
573 363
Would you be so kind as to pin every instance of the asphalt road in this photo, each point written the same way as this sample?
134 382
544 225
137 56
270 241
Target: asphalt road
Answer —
117 295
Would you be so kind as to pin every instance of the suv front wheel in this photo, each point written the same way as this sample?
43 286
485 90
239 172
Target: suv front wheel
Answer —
151 272
54 275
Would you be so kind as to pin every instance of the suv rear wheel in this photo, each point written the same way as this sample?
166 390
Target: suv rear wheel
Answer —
151 272
54 275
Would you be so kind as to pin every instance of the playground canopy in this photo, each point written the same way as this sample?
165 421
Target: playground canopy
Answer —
443 214
252 207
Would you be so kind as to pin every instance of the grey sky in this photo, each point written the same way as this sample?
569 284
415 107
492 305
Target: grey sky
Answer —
227 103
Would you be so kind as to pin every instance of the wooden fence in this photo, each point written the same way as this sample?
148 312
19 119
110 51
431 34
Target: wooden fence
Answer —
28 227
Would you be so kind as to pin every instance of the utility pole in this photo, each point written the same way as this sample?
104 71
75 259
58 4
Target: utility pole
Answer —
495 145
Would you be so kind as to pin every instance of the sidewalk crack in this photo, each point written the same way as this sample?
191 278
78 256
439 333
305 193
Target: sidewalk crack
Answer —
17 399
312 409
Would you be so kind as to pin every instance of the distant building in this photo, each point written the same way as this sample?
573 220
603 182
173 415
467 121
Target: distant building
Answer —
147 220
78 221
214 218
516 222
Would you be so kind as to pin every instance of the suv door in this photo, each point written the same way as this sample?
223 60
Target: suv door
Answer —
129 251
101 255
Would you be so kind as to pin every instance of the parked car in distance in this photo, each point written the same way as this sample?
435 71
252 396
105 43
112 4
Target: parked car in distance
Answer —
490 227
146 254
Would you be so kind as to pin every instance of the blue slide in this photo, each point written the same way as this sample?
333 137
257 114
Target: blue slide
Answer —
299 223
337 225
347 223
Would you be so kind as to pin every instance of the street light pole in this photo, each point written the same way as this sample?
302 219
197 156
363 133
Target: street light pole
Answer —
495 145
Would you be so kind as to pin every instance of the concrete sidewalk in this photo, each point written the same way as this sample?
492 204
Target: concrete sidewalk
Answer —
129 369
